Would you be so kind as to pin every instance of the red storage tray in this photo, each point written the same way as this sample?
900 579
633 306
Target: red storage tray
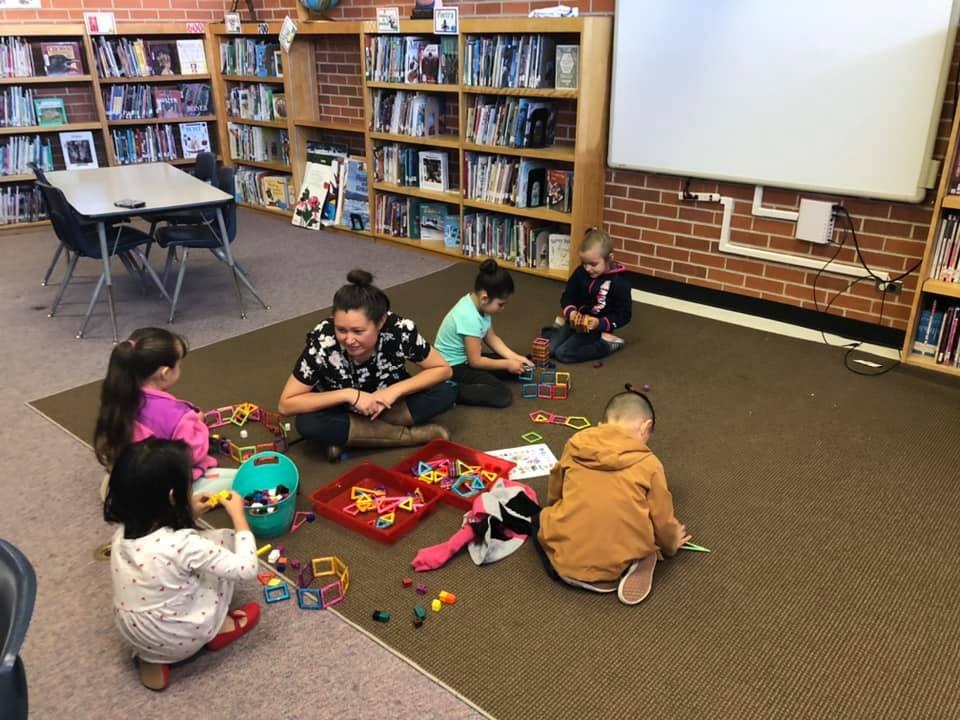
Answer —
439 449
330 501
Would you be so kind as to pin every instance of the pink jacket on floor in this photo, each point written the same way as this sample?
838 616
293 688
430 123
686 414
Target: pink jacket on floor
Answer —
162 415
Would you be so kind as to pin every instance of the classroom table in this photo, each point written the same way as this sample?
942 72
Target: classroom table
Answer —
163 188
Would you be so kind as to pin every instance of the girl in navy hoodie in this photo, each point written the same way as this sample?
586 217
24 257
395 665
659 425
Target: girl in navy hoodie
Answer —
595 304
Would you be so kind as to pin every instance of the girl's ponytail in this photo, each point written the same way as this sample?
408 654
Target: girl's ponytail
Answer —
132 362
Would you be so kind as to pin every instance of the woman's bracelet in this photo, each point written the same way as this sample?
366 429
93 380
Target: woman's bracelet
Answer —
357 400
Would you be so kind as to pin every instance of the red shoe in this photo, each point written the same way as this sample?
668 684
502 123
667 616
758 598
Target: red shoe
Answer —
155 676
250 612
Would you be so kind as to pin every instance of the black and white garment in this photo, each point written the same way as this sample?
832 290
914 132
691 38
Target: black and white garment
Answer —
326 365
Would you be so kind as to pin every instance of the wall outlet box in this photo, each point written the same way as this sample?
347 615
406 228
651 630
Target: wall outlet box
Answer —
815 223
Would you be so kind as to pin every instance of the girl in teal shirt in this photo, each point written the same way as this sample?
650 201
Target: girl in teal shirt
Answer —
479 376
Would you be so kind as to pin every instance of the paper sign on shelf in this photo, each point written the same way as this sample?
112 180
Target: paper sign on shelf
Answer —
100 23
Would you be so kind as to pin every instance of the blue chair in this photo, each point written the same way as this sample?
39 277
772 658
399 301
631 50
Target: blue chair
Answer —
81 240
204 168
205 235
18 590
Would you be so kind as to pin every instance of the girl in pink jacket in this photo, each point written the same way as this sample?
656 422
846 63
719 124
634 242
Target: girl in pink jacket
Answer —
135 404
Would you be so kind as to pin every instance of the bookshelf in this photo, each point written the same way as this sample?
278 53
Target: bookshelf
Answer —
330 97
20 205
936 289
255 139
580 149
129 103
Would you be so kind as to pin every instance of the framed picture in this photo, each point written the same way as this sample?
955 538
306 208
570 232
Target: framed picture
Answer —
433 171
232 21
79 152
446 21
50 111
388 20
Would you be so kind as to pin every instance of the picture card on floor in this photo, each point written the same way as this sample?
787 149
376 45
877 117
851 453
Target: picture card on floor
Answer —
532 460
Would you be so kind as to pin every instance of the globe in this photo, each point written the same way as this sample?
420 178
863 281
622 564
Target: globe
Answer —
319 5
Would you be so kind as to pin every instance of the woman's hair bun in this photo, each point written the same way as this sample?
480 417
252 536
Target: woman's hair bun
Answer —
360 278
489 266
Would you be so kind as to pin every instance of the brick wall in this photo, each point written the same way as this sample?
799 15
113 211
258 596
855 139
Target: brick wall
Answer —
655 233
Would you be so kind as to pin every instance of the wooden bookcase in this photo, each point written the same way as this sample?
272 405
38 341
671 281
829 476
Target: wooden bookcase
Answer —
327 100
584 153
927 288
82 86
226 81
150 32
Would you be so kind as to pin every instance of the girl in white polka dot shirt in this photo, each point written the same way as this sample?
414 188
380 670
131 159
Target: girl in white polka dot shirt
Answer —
172 582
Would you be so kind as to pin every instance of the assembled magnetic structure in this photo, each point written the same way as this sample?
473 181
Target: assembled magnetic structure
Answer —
543 417
313 590
455 475
540 382
238 416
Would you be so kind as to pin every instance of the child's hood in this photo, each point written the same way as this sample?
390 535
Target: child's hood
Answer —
606 447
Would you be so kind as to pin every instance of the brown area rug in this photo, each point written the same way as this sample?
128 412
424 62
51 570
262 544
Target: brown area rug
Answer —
830 502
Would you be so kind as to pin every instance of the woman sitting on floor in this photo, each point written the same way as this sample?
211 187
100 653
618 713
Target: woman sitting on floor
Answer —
350 386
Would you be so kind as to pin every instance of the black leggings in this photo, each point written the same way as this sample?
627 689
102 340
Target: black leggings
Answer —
483 387
332 426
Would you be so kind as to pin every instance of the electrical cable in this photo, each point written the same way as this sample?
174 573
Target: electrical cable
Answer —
871 275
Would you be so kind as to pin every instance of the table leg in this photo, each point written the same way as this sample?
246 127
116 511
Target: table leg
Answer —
233 268
108 278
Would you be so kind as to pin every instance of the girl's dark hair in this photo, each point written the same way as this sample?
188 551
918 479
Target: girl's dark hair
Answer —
150 487
493 280
131 363
362 294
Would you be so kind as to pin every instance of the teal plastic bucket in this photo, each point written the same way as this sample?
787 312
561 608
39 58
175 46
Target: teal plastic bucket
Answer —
263 471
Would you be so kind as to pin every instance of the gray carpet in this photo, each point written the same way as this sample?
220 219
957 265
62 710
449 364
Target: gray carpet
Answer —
76 665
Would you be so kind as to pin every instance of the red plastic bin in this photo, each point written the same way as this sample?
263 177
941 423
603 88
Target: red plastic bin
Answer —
436 449
330 501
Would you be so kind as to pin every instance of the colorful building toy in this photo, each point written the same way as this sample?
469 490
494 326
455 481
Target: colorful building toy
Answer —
238 416
326 595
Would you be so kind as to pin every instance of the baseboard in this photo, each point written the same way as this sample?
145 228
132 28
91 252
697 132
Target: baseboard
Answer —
779 312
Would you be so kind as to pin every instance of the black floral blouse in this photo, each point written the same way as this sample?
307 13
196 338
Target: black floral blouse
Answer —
326 365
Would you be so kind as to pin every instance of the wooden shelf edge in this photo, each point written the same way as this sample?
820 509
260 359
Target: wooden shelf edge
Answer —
275 167
161 121
532 213
428 87
938 287
451 197
31 225
559 153
951 202
46 79
282 124
153 79
556 93
268 79
17 178
265 209
928 364
42 129
451 141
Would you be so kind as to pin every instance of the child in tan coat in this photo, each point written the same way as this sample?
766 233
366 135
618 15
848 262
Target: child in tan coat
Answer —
609 512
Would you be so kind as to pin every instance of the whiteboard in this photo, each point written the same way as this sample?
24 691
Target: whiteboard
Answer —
838 96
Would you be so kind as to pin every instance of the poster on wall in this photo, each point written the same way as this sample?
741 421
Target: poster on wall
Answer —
18 4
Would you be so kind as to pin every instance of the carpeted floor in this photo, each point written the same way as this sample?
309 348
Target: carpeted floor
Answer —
829 501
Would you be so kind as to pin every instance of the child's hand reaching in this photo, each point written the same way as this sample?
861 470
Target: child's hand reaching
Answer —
683 536
517 365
